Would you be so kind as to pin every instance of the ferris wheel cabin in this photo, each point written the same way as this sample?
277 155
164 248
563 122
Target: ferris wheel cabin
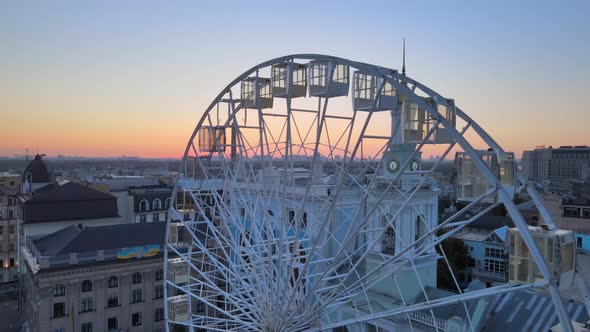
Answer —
289 80
256 93
366 95
328 79
471 182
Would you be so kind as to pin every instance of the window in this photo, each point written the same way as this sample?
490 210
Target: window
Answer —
59 290
1 229
167 203
59 309
200 306
291 216
86 286
585 213
494 266
136 295
86 305
156 217
113 282
157 204
389 241
144 205
11 247
159 292
113 300
11 215
136 278
12 262
11 228
86 327
159 275
579 242
571 212
142 218
420 227
136 319
1 260
112 323
494 252
159 314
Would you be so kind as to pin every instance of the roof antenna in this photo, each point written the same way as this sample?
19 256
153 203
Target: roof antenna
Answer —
404 63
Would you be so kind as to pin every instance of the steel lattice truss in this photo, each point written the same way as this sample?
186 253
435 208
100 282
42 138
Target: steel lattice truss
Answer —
291 213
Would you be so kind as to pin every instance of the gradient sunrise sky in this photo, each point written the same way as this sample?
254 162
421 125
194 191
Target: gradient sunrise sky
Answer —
107 78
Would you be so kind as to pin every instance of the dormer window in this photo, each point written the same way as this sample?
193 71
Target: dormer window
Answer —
144 205
157 204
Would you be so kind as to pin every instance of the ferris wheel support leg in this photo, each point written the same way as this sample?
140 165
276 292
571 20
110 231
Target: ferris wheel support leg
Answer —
528 239
585 294
547 218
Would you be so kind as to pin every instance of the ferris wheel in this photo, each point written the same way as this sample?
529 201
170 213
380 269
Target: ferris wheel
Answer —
303 204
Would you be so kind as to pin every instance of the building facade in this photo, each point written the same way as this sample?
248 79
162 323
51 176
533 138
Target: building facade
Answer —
106 278
9 186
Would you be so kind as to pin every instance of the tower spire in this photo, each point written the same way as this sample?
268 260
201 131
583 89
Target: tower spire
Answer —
404 61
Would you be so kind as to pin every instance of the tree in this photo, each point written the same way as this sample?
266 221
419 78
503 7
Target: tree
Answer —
458 256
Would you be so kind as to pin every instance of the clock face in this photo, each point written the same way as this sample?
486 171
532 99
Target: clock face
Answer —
414 166
393 165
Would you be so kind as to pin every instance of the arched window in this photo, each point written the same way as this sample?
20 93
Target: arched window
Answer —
157 204
113 282
10 201
144 205
167 203
136 278
86 286
29 177
59 290
389 241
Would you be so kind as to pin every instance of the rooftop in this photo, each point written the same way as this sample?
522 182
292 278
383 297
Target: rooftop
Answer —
72 239
73 246
67 201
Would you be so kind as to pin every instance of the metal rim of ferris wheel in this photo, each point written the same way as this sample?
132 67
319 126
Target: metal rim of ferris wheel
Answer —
261 239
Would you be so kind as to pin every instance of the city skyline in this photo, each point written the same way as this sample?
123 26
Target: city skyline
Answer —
110 80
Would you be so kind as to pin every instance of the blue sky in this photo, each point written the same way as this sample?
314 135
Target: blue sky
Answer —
73 71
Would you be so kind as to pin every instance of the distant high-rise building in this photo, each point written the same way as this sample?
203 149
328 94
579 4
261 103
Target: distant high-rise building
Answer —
563 163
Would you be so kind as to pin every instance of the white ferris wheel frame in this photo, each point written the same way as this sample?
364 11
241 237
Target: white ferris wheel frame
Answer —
404 86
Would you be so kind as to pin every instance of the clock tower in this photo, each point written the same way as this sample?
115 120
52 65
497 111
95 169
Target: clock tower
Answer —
397 156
